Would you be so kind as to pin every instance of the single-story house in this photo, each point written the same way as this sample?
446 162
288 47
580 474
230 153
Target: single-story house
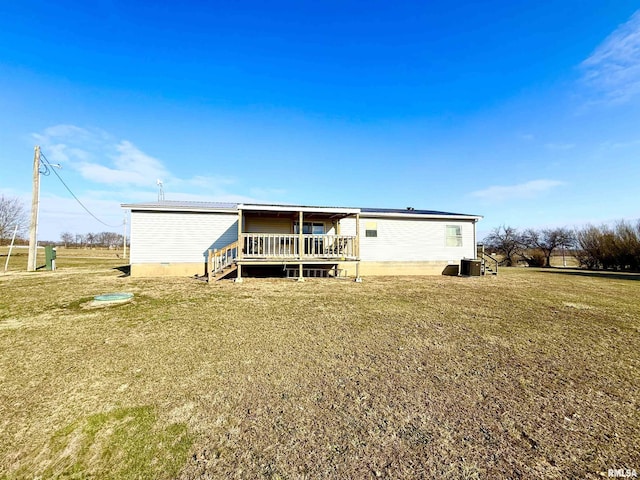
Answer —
216 239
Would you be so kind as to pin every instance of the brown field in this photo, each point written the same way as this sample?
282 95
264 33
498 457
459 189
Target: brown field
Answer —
531 374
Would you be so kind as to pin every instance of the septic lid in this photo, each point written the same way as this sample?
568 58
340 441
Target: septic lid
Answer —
113 297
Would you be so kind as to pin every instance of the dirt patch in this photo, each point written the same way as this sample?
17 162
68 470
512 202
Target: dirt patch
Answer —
577 306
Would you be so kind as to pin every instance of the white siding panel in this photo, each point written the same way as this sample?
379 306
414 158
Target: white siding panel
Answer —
411 240
348 226
179 237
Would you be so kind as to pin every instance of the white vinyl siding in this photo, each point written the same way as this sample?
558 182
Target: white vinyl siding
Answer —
179 237
410 240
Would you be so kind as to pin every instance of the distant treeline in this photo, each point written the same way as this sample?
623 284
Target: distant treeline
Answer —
76 240
602 247
89 240
605 247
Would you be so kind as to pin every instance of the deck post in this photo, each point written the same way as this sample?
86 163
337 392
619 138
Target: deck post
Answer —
357 248
240 247
300 244
300 235
240 240
239 277
209 265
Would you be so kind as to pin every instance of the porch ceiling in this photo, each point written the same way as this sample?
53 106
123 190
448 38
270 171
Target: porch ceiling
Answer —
286 211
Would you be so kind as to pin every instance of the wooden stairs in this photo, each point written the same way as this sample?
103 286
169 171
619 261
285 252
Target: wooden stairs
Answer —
487 268
222 262
224 273
488 264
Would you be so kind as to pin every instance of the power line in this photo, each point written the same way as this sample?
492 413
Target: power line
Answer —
47 171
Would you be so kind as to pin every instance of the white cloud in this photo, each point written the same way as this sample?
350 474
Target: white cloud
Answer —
531 189
61 131
560 146
203 182
526 136
101 158
268 192
105 171
616 145
131 166
613 69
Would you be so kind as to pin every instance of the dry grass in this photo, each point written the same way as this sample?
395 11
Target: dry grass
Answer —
529 374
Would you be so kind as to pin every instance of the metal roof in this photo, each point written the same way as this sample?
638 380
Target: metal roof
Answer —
411 211
180 205
296 208
172 205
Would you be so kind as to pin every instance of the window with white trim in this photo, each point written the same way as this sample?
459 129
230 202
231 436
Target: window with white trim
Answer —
371 229
453 236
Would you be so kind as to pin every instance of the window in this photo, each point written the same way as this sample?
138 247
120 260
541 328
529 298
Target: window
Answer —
315 228
371 229
454 236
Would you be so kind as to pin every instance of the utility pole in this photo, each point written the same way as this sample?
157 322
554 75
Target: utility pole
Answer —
35 204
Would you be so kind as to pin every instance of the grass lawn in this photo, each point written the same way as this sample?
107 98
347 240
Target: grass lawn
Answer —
530 374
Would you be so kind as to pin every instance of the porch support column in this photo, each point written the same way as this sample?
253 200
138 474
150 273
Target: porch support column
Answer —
240 239
240 247
300 244
357 252
358 279
239 277
209 264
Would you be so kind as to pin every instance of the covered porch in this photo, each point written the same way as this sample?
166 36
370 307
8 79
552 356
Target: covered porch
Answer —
303 239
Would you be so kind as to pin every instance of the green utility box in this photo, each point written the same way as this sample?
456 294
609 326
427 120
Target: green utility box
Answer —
470 267
50 257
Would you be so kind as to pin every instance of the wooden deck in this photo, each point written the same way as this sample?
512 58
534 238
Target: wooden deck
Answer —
313 255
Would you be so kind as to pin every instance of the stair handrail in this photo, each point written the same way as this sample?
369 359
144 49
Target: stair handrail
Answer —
221 258
493 259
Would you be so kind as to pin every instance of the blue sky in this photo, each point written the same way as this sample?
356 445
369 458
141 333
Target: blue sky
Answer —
524 112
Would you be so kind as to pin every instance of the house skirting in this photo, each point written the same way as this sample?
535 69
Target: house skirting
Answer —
367 269
167 269
373 269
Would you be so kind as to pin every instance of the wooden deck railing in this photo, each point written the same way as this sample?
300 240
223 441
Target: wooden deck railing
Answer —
221 258
270 245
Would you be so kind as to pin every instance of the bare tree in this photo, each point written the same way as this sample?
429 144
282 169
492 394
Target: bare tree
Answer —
80 239
12 213
627 245
610 248
590 252
547 240
67 238
111 239
507 241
